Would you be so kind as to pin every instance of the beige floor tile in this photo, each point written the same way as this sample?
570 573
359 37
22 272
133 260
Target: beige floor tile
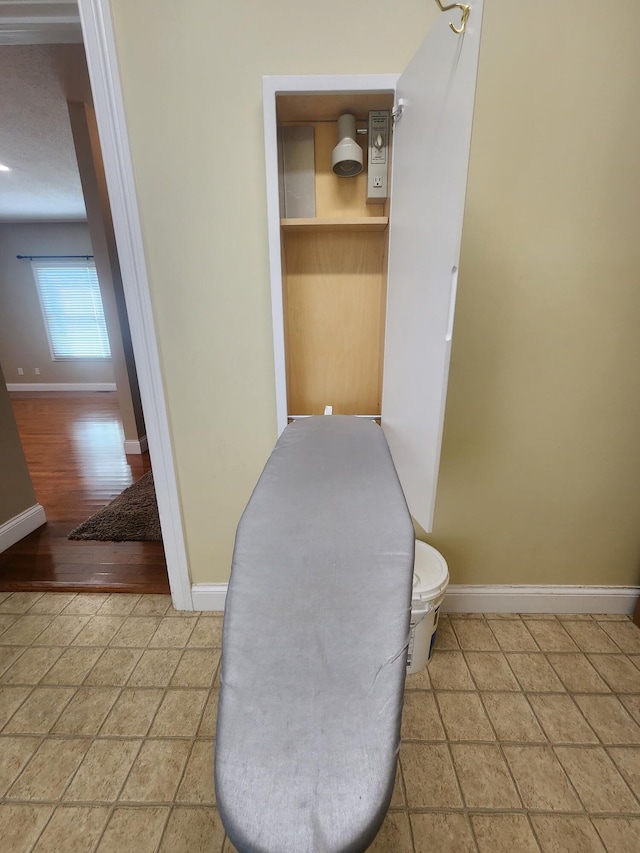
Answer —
445 832
596 780
627 760
420 680
541 781
534 672
589 637
474 635
73 829
512 718
61 631
179 714
47 774
133 713
563 834
620 835
32 666
86 712
464 717
197 785
576 673
7 620
15 752
72 667
197 668
157 771
10 700
632 704
172 633
429 776
86 603
145 825
228 847
618 671
52 602
445 636
114 667
136 631
512 636
119 604
398 796
394 835
500 833
207 634
24 630
209 716
197 830
39 712
8 656
20 826
420 718
625 634
561 719
99 631
155 668
449 671
19 602
152 605
484 777
491 671
609 720
551 636
103 771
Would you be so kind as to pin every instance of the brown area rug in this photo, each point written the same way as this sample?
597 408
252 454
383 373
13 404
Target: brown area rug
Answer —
131 517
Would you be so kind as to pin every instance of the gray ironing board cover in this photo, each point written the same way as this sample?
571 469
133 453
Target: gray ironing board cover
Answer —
315 636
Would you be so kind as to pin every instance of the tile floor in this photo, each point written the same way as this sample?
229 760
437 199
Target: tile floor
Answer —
523 734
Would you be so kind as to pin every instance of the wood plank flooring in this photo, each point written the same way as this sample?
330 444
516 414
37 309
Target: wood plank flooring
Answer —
74 447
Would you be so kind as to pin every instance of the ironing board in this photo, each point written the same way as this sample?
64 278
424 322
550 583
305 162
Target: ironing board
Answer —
315 635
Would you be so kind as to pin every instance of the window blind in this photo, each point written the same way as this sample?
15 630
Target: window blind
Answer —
72 308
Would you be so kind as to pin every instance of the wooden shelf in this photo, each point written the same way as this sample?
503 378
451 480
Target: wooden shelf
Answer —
355 223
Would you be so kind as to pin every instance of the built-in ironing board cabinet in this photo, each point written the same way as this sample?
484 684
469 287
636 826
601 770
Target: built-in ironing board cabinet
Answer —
363 295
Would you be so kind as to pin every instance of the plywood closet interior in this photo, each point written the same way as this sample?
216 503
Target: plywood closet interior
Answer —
334 271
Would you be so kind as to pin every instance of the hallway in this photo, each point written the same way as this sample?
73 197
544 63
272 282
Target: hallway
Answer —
73 443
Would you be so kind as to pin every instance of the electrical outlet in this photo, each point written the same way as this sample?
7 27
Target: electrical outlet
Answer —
37 370
20 372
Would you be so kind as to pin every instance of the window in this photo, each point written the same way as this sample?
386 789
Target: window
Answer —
72 308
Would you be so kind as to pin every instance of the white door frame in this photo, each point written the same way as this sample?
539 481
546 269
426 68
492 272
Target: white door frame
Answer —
99 43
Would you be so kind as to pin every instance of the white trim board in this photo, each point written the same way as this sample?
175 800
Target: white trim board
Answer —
136 448
21 525
540 599
61 386
491 598
102 62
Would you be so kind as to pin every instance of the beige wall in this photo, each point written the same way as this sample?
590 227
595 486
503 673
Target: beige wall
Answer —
540 478
23 337
16 491
96 200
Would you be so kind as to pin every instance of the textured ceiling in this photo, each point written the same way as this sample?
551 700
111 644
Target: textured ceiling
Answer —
36 80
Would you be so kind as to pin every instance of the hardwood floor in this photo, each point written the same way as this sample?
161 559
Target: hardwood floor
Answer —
73 443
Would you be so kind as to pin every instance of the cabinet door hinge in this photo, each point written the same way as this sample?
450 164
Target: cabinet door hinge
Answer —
397 111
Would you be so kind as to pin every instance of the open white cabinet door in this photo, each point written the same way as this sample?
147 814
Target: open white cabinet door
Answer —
431 146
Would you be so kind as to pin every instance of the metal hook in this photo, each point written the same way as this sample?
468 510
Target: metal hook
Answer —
464 10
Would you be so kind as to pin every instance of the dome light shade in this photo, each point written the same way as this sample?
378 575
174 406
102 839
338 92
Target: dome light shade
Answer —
346 158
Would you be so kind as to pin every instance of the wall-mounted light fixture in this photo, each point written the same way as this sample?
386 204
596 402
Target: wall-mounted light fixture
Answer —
346 157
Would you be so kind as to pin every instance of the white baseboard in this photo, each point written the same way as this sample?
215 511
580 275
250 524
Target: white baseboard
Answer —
135 448
61 386
22 525
491 598
540 599
209 596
